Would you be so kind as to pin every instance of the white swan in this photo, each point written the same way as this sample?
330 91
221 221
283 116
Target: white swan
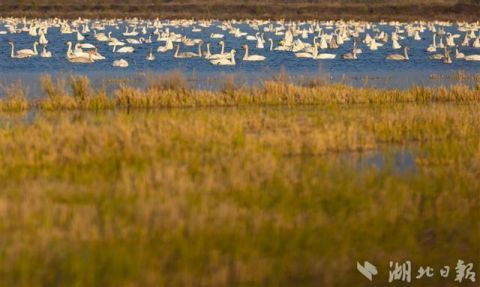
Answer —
78 56
133 33
27 52
222 54
179 55
123 49
188 54
216 36
252 58
114 41
101 37
304 55
14 55
475 58
45 53
282 46
373 45
86 46
458 54
225 61
325 56
395 44
120 63
80 37
96 55
433 47
79 60
207 54
78 52
168 46
150 56
136 41
476 43
260 42
42 40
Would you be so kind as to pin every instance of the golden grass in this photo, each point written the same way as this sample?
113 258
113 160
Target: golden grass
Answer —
15 97
239 196
82 95
173 90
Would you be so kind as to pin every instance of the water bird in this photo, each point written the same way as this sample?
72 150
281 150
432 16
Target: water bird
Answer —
398 57
252 58
24 53
225 61
45 53
120 63
150 56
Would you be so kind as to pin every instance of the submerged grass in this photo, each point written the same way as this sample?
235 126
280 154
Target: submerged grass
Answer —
174 90
254 196
15 97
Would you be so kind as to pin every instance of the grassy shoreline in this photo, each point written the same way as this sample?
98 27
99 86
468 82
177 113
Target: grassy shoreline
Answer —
173 90
386 10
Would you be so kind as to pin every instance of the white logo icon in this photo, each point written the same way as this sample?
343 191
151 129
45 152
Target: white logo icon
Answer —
367 270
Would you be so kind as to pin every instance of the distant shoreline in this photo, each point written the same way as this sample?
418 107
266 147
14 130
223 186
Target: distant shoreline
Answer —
289 11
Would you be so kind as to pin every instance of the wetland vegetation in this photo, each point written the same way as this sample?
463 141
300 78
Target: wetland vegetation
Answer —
267 9
286 183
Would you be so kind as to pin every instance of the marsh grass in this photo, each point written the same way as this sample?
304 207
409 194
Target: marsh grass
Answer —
266 185
252 196
15 97
80 96
174 90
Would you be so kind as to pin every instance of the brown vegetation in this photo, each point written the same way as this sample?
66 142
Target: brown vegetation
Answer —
256 196
174 90
283 184
365 10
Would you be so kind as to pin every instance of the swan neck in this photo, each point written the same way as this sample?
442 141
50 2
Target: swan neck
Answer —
208 53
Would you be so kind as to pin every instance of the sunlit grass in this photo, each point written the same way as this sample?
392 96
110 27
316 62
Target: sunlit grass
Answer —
15 98
173 90
255 196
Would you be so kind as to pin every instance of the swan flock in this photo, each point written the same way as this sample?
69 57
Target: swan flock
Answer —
86 41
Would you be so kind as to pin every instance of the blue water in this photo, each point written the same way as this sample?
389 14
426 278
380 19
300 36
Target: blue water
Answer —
370 63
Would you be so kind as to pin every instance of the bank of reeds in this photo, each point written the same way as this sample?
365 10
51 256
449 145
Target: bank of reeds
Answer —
80 96
173 90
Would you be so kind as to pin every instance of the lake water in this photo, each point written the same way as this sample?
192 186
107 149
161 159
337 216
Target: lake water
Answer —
370 63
